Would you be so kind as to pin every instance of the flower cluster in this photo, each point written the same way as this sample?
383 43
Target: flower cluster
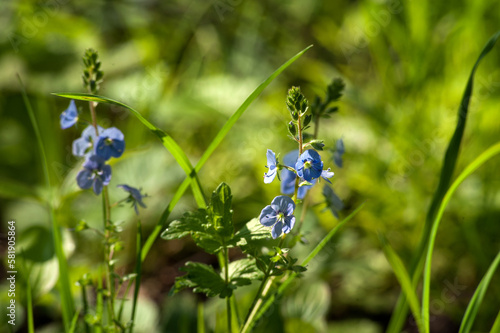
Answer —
97 145
301 168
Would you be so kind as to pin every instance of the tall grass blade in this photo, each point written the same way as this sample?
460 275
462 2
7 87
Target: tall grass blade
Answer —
475 302
450 159
270 300
211 148
67 305
479 161
496 325
168 142
73 326
26 271
404 280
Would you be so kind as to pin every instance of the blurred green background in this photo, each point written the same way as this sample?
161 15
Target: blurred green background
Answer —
186 66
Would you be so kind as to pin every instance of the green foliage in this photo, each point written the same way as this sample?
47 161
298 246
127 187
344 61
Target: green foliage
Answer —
92 75
219 211
334 91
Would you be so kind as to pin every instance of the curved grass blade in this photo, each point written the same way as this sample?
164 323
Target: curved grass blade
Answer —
211 148
167 141
404 280
496 325
475 302
479 161
67 305
270 300
73 326
450 159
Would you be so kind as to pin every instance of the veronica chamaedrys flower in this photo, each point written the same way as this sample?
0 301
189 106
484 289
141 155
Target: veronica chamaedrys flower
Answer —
309 165
339 151
279 215
110 143
135 196
288 177
271 165
69 117
85 143
95 173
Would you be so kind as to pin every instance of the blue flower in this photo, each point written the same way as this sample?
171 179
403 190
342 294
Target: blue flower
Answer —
84 144
110 143
333 202
288 177
135 196
271 165
309 165
279 215
339 151
69 117
95 173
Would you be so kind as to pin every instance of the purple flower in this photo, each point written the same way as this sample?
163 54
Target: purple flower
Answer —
271 165
84 144
69 117
95 173
279 215
110 143
135 196
325 174
309 165
288 177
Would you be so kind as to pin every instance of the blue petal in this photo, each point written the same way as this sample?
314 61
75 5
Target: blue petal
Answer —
84 179
327 174
337 158
268 216
339 145
106 174
69 117
289 223
269 176
276 231
97 185
271 158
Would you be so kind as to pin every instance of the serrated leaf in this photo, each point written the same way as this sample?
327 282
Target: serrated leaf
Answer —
202 278
220 211
243 272
249 236
191 222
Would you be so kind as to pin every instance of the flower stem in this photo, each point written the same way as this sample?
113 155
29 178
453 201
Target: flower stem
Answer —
108 254
226 276
261 293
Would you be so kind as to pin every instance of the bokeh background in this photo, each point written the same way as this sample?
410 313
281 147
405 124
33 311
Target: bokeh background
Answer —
187 66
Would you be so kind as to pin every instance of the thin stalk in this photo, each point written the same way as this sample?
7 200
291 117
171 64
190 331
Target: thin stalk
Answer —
120 311
85 307
261 293
108 255
99 303
226 276
201 322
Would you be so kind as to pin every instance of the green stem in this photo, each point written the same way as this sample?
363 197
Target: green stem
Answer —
108 255
85 306
226 276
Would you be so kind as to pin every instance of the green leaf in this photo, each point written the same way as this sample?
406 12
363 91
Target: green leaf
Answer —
475 302
203 279
190 222
450 159
250 236
220 212
242 272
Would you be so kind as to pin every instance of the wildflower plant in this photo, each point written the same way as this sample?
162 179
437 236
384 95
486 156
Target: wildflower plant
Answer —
97 146
213 230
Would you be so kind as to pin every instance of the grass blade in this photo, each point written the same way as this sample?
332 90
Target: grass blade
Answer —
168 142
211 148
475 302
450 159
496 325
404 280
72 328
479 161
67 305
270 300
201 319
